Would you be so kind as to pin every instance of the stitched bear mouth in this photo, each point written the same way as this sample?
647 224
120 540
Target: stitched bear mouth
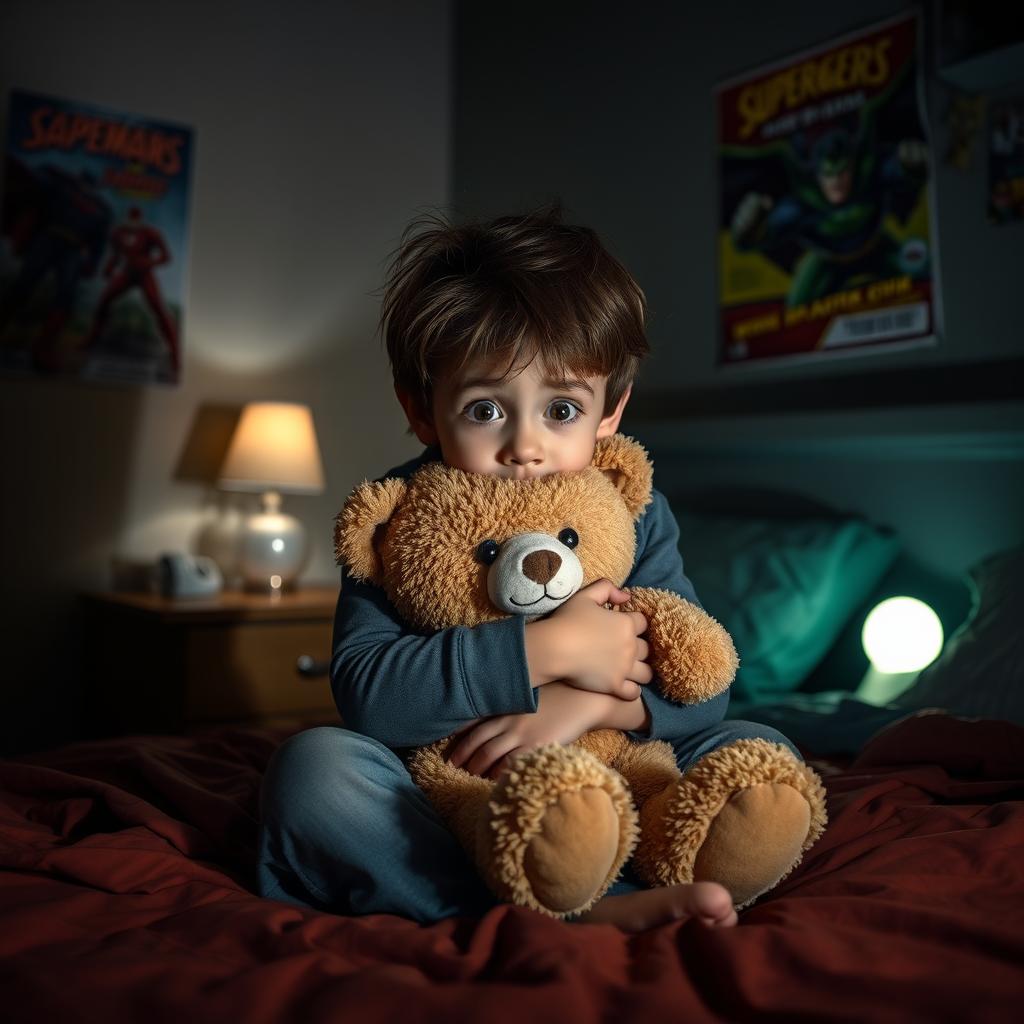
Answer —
527 604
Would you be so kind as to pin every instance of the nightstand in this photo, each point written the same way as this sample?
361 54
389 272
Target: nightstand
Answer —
158 664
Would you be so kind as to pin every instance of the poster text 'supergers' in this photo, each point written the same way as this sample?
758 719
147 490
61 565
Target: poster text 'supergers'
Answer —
825 231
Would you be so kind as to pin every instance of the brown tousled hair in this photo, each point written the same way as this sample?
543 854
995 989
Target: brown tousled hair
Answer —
515 287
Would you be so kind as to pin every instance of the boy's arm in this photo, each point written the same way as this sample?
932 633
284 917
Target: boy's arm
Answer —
484 748
659 564
563 715
405 689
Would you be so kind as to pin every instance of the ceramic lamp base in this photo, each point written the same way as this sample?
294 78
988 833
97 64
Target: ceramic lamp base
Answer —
272 548
880 688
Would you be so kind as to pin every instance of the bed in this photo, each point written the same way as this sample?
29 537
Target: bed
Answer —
127 872
126 893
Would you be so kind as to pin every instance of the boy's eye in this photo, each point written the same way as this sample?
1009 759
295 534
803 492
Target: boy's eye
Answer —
562 411
569 537
483 412
487 551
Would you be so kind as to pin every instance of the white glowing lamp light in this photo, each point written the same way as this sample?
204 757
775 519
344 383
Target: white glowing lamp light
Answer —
273 450
901 636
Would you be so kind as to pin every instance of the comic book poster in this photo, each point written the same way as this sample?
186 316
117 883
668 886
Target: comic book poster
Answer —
94 242
826 242
1006 162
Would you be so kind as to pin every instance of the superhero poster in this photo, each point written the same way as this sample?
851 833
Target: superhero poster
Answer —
825 234
94 242
1006 162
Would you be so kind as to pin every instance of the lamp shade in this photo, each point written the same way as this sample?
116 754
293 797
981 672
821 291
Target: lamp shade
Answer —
274 448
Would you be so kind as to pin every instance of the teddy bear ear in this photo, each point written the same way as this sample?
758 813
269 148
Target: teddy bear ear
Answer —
357 527
628 466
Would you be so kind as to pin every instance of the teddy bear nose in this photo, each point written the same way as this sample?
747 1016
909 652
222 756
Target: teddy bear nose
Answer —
540 566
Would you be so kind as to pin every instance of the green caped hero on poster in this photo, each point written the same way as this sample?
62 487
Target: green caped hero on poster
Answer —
825 234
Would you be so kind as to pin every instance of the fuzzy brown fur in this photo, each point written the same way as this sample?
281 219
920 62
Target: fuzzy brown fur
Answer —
556 828
677 819
413 555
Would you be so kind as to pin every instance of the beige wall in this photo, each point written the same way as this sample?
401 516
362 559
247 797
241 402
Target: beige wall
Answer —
321 129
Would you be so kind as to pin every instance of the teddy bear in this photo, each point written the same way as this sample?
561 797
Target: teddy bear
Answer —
552 832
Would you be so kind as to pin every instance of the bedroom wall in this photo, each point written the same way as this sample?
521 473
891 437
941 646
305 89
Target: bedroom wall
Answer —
610 108
321 129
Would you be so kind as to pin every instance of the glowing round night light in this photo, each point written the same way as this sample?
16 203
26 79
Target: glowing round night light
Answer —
901 634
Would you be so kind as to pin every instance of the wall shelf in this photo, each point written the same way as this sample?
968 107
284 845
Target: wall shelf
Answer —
988 72
992 381
980 44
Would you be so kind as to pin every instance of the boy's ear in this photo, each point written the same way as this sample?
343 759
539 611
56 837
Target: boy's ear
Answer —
610 424
627 465
420 421
359 527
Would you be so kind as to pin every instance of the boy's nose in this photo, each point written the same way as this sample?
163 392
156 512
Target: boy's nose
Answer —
522 449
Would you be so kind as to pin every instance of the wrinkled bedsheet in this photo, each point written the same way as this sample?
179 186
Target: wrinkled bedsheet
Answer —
127 894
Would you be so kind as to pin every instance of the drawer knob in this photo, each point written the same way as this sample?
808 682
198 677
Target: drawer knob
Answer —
310 668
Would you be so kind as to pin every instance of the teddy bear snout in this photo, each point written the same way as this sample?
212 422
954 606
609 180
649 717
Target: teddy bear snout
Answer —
541 566
533 574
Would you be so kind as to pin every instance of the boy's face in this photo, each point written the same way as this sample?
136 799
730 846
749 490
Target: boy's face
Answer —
524 425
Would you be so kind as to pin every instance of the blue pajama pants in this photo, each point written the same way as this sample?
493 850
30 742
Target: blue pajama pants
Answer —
344 828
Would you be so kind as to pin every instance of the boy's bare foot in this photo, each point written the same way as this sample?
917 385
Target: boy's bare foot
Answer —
709 902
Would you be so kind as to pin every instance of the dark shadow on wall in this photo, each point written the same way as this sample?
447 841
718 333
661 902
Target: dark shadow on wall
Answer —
207 443
67 464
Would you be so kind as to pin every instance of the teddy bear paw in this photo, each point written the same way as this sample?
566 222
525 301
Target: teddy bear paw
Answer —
561 825
564 863
742 816
691 653
754 841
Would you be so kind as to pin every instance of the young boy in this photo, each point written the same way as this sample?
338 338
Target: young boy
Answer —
513 346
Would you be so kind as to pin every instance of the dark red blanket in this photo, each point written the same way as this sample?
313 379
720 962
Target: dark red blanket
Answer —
126 877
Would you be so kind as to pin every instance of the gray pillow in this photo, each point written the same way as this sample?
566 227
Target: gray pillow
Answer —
980 673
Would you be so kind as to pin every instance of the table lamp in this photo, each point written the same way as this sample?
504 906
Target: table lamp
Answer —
901 636
273 451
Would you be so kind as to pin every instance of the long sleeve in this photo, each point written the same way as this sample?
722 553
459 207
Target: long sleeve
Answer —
406 689
659 564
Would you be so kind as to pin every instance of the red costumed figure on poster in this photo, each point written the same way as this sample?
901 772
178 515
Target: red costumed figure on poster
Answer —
58 229
138 248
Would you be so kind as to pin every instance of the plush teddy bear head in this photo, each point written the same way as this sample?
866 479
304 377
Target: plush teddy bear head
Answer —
455 548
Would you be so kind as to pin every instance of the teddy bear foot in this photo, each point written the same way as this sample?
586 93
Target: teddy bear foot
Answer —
565 864
772 819
742 816
561 825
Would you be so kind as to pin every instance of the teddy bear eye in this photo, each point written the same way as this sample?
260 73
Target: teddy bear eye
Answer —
569 537
486 551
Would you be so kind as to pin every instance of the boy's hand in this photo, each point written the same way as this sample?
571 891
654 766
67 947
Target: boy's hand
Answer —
563 715
590 646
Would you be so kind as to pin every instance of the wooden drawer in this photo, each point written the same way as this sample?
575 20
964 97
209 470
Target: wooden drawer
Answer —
156 664
251 670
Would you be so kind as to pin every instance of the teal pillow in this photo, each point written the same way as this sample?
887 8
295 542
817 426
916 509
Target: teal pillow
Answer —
783 588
